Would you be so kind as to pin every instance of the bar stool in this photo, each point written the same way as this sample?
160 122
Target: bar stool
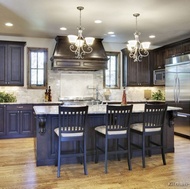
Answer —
72 127
153 124
117 127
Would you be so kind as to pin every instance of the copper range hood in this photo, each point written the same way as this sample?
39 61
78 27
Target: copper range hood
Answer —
64 59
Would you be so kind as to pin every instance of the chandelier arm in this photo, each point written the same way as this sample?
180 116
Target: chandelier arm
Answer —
73 48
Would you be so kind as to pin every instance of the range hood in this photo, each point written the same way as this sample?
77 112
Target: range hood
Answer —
64 59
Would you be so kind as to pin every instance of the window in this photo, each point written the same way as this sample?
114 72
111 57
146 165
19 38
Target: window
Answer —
112 73
37 68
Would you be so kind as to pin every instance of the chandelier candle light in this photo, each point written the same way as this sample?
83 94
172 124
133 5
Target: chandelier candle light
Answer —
137 49
80 45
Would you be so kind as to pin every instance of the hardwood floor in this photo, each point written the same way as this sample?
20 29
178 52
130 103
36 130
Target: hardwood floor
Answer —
18 170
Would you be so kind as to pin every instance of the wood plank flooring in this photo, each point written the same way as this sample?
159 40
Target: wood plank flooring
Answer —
18 170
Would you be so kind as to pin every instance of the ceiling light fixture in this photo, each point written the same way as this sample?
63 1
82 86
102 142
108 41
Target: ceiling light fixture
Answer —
63 28
80 45
8 24
137 49
98 21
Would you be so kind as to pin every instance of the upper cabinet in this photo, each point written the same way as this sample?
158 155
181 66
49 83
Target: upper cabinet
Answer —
175 49
158 59
135 73
178 48
11 63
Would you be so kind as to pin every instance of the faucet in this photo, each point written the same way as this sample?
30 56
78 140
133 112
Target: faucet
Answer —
98 94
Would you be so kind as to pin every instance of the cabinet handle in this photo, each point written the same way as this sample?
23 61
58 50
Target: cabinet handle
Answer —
19 107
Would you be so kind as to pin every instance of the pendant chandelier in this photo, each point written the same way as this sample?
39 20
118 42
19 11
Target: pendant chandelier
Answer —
80 45
137 50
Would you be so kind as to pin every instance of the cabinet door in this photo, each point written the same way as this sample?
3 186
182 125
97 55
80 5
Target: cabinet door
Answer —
15 71
158 59
132 72
13 123
26 123
20 121
3 63
137 73
143 76
186 47
2 119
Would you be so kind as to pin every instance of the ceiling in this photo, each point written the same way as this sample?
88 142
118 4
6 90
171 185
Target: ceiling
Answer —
168 20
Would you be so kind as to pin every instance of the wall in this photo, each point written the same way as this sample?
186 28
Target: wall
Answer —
54 77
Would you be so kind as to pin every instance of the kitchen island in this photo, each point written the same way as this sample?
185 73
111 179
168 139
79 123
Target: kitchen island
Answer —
46 120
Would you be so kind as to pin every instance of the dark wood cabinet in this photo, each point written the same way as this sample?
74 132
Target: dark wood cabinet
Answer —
168 51
158 58
19 121
171 51
186 47
3 120
11 63
135 73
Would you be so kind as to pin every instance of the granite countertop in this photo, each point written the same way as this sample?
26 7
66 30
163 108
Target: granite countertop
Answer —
32 103
60 102
93 109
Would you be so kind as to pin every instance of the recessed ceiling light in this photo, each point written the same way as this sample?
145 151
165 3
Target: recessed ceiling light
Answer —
63 28
152 36
8 24
97 21
111 33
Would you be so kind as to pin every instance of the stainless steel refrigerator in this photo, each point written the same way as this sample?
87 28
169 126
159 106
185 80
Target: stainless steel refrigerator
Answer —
177 91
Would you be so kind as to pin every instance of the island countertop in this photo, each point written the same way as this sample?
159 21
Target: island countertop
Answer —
93 109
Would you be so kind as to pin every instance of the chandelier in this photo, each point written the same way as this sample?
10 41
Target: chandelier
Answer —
80 45
137 50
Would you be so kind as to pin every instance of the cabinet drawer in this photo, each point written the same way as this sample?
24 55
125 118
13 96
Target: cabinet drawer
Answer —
19 107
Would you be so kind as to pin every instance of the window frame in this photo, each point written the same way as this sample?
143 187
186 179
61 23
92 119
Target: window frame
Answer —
117 74
29 51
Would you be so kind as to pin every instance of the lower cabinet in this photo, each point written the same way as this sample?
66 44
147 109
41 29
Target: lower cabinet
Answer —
19 121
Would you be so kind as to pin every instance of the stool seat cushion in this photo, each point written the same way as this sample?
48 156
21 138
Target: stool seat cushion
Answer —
102 129
71 134
139 127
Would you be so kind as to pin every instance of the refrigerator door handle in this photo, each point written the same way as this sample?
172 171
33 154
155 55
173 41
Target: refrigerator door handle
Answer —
175 89
178 89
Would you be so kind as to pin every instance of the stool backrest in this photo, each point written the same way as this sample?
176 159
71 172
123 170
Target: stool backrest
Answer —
154 116
118 117
72 118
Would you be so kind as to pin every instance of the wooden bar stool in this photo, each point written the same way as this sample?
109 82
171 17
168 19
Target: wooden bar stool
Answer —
117 127
153 124
72 127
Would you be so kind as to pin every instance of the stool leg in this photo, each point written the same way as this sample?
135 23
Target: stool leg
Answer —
143 151
106 155
163 151
129 154
59 159
84 154
96 149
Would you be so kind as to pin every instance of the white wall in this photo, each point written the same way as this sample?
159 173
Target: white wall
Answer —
54 77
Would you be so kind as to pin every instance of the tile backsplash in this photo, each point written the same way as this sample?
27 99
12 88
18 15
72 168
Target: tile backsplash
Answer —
72 84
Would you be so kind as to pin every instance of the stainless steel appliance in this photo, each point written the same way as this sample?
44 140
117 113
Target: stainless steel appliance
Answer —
177 91
159 77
